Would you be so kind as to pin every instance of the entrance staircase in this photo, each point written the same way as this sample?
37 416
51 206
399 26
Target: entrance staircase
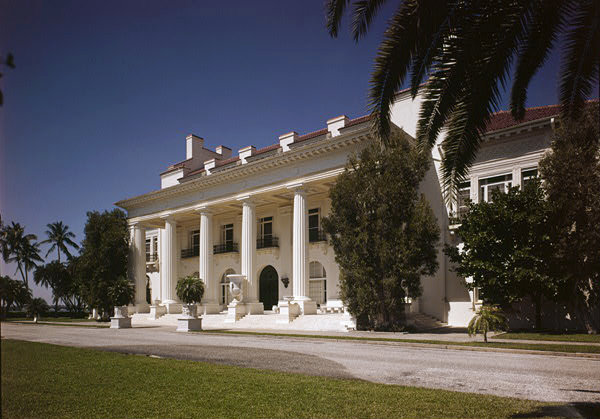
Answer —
423 322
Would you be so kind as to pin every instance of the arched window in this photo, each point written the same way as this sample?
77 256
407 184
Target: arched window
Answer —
317 285
225 297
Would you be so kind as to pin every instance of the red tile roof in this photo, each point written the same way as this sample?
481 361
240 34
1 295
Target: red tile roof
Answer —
504 119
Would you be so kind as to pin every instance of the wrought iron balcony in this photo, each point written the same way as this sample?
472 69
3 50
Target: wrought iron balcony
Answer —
315 236
225 248
267 242
151 258
190 253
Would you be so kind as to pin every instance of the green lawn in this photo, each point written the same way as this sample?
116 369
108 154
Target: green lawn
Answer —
562 337
60 321
50 319
590 349
47 381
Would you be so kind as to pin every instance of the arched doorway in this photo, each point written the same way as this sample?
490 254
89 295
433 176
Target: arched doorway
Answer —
268 287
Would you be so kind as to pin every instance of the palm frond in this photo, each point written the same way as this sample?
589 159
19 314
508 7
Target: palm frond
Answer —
580 67
546 22
364 12
334 10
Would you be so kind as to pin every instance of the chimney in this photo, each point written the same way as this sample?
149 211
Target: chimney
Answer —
286 139
193 146
246 152
335 124
225 152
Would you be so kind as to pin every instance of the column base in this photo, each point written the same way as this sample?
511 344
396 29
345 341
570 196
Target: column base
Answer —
255 308
172 307
142 308
211 308
307 306
235 312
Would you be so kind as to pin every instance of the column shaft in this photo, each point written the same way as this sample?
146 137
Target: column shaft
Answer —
205 260
169 257
300 247
139 263
249 251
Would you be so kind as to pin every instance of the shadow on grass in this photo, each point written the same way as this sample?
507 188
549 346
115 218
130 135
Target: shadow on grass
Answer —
587 410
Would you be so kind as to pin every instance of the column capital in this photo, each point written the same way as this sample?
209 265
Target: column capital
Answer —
168 217
247 200
136 224
298 188
203 210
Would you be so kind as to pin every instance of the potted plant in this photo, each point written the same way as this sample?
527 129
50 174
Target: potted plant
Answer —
488 318
190 290
121 293
36 307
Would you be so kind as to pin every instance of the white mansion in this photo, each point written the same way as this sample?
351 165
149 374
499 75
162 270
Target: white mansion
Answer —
258 214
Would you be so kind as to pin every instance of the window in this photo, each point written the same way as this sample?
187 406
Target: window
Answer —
148 246
496 183
195 240
265 228
155 246
527 175
462 198
314 224
227 234
317 285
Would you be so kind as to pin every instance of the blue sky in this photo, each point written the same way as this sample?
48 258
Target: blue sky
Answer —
105 92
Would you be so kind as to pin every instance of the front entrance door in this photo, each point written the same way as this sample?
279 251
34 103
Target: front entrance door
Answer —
268 287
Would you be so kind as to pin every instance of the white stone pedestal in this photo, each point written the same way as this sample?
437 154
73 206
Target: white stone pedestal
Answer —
307 306
288 311
188 324
121 320
235 311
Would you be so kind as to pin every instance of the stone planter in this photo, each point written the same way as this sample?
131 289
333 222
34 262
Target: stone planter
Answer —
121 320
189 320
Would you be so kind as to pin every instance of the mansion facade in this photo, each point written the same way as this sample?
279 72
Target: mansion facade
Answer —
258 214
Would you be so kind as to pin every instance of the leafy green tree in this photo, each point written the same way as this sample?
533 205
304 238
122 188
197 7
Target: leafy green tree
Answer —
190 289
13 292
60 237
487 319
63 281
121 292
383 231
571 174
465 50
36 307
103 259
507 246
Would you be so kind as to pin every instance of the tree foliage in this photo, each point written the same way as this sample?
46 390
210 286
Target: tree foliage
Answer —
104 255
383 231
190 289
507 246
13 292
36 307
571 174
466 50
22 249
60 237
65 282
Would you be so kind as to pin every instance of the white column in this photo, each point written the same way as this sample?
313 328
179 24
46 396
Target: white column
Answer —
139 267
249 257
205 263
169 266
300 254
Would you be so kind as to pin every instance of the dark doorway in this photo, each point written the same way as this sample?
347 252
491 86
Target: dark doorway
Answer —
268 287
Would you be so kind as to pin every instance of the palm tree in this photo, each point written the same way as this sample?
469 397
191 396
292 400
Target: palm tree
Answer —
465 49
487 318
60 236
36 307
22 250
3 240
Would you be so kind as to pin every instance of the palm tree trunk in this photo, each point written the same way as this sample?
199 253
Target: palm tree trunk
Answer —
58 251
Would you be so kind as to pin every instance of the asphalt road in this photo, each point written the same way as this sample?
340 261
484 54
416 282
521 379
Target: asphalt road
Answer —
535 377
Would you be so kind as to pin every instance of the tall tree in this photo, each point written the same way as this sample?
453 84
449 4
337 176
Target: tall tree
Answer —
104 256
383 232
571 174
508 247
23 250
466 50
60 237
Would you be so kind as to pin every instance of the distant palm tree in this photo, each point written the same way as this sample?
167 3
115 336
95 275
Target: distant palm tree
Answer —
465 50
487 318
60 236
22 250
36 307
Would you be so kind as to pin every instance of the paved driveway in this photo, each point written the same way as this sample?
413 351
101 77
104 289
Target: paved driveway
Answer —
536 377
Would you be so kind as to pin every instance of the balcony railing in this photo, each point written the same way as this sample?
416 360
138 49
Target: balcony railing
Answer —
225 248
190 253
267 242
315 236
151 258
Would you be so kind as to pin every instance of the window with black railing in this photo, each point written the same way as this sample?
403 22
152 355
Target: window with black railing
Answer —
227 247
190 253
316 235
266 242
151 257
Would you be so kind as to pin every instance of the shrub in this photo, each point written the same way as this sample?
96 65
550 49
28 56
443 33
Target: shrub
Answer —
488 318
190 289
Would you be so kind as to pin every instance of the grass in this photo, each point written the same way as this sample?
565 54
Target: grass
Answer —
60 321
49 319
590 349
42 380
557 337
